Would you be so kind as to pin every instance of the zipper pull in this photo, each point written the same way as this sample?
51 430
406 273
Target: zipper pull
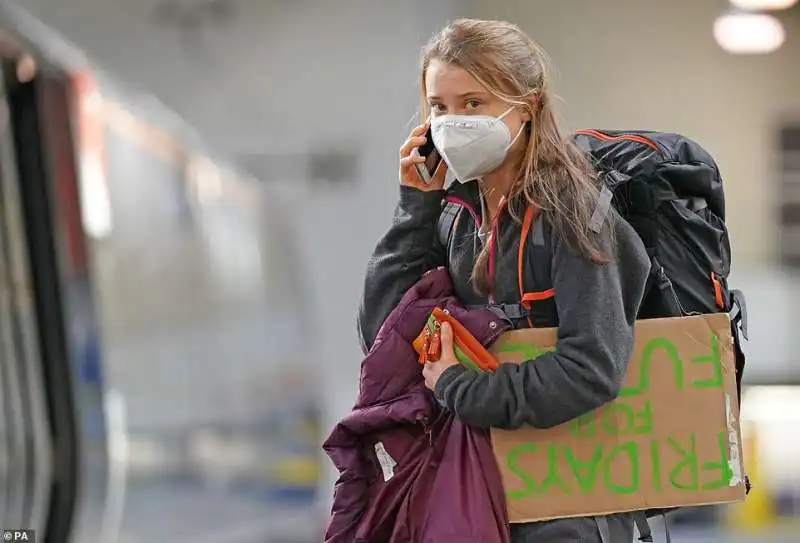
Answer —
426 343
434 350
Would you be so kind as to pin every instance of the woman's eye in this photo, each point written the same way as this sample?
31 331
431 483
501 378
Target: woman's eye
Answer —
437 108
473 104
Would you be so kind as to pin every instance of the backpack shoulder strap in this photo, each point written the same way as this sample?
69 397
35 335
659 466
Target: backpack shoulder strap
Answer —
534 259
444 226
533 238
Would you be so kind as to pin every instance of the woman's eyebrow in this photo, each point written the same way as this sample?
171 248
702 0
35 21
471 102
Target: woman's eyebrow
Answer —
471 94
468 94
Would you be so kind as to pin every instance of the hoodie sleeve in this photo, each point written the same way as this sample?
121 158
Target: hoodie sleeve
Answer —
597 307
408 250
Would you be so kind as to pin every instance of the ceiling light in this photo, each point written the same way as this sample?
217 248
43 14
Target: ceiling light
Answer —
758 5
749 33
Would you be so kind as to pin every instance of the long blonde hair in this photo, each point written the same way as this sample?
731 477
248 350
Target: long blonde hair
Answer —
554 174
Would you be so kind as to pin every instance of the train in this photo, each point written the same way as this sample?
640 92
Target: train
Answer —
152 366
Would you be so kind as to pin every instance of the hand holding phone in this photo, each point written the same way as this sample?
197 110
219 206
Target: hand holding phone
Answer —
421 166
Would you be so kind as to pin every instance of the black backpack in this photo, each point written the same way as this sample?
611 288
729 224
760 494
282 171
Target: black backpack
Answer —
670 190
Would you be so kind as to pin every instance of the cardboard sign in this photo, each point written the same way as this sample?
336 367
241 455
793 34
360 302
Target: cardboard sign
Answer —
671 438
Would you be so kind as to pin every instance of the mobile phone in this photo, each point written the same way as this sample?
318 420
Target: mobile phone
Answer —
432 158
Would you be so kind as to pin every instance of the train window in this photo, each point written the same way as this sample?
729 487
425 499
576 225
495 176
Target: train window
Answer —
789 197
199 288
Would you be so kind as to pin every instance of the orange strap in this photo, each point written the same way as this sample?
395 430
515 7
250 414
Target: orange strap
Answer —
527 297
717 291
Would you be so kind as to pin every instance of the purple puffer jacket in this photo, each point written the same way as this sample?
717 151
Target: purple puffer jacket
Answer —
409 471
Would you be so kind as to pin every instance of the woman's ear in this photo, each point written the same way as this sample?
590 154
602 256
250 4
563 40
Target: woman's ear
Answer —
526 113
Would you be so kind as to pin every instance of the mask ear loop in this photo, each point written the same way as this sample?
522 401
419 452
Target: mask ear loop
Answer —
519 132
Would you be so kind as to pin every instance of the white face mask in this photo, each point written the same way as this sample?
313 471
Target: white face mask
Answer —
472 145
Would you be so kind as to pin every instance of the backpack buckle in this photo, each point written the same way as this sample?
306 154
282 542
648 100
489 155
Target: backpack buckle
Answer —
508 312
614 178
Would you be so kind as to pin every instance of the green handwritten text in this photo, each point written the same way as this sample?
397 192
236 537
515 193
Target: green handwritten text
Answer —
529 351
618 468
615 419
670 350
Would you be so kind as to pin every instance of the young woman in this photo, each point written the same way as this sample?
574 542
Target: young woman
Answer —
487 101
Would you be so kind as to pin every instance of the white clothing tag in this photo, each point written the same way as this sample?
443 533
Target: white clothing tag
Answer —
385 460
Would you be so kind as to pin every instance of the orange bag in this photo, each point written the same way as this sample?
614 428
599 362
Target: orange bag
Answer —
468 350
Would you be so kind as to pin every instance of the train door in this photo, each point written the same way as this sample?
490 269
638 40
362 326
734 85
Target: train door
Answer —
25 444
52 432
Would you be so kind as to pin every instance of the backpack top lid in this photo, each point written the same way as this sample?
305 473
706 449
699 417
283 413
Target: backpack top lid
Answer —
677 166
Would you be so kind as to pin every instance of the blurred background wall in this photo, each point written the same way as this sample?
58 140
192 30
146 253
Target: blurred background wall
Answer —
313 98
